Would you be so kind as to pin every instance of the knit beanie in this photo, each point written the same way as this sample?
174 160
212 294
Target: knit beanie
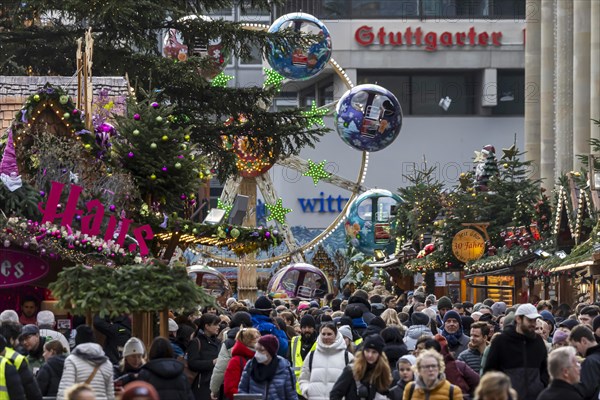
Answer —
9 315
560 336
345 321
444 302
263 304
308 320
270 343
378 322
419 318
548 317
345 331
374 342
454 315
133 346
361 294
568 323
354 311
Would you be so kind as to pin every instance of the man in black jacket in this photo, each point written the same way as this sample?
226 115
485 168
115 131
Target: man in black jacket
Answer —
117 332
11 331
564 371
521 354
582 338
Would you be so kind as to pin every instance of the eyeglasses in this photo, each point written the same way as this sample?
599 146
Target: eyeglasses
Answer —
432 366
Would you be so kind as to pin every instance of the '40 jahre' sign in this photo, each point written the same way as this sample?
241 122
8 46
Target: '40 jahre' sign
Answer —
92 218
468 245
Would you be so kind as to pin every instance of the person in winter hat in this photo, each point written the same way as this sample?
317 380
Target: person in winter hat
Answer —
88 363
261 320
368 376
14 388
419 327
355 313
269 373
403 374
325 364
452 331
134 357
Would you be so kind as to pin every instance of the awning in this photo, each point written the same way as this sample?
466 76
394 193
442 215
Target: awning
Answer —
501 271
567 267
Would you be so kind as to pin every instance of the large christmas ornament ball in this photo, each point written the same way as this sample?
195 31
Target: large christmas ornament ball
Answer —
300 62
176 45
369 222
368 117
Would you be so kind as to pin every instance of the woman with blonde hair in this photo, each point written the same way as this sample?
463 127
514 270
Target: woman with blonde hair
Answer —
390 317
367 378
430 381
242 351
495 385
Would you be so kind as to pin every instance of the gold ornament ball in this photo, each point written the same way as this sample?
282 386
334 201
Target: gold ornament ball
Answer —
88 146
36 97
505 165
152 177
187 137
165 138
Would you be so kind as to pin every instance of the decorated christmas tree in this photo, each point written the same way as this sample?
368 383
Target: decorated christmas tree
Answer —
126 41
158 154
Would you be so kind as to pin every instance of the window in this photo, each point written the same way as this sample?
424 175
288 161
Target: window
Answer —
325 93
511 93
255 57
388 9
420 93
246 9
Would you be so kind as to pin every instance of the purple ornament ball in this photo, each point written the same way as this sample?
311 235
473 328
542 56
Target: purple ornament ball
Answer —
136 117
112 208
130 154
267 234
155 104
164 169
42 193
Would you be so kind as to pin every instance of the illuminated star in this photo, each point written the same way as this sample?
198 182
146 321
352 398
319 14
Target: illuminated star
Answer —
221 80
224 206
510 153
277 211
479 157
317 171
273 78
315 115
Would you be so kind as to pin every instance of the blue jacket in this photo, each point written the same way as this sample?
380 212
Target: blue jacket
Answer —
281 387
265 327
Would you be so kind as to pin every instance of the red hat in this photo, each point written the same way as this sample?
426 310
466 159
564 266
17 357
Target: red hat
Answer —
139 390
270 343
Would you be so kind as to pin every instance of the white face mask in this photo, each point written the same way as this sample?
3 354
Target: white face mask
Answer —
260 357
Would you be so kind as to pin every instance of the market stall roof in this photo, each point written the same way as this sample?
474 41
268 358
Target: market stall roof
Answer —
496 272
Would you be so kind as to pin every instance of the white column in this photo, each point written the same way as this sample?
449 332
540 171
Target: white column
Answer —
532 80
564 88
581 79
595 69
547 95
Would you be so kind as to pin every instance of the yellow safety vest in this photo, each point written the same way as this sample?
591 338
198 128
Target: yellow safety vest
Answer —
14 358
297 360
358 341
3 388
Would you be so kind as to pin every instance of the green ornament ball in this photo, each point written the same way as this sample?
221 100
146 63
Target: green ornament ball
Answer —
135 132
66 115
235 233
88 146
36 97
195 230
178 165
159 119
152 177
153 146
165 138
187 137
64 99
183 146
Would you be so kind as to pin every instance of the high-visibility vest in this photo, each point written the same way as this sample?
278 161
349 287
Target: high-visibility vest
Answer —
358 341
14 358
3 388
297 360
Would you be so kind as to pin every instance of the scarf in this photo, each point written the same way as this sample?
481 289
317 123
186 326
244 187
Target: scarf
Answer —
262 373
453 338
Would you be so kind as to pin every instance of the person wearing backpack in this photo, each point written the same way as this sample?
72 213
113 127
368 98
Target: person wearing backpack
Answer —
368 377
430 381
324 365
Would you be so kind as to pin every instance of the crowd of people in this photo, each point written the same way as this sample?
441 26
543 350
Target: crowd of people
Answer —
360 347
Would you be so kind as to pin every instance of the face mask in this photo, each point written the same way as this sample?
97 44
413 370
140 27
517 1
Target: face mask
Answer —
260 357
